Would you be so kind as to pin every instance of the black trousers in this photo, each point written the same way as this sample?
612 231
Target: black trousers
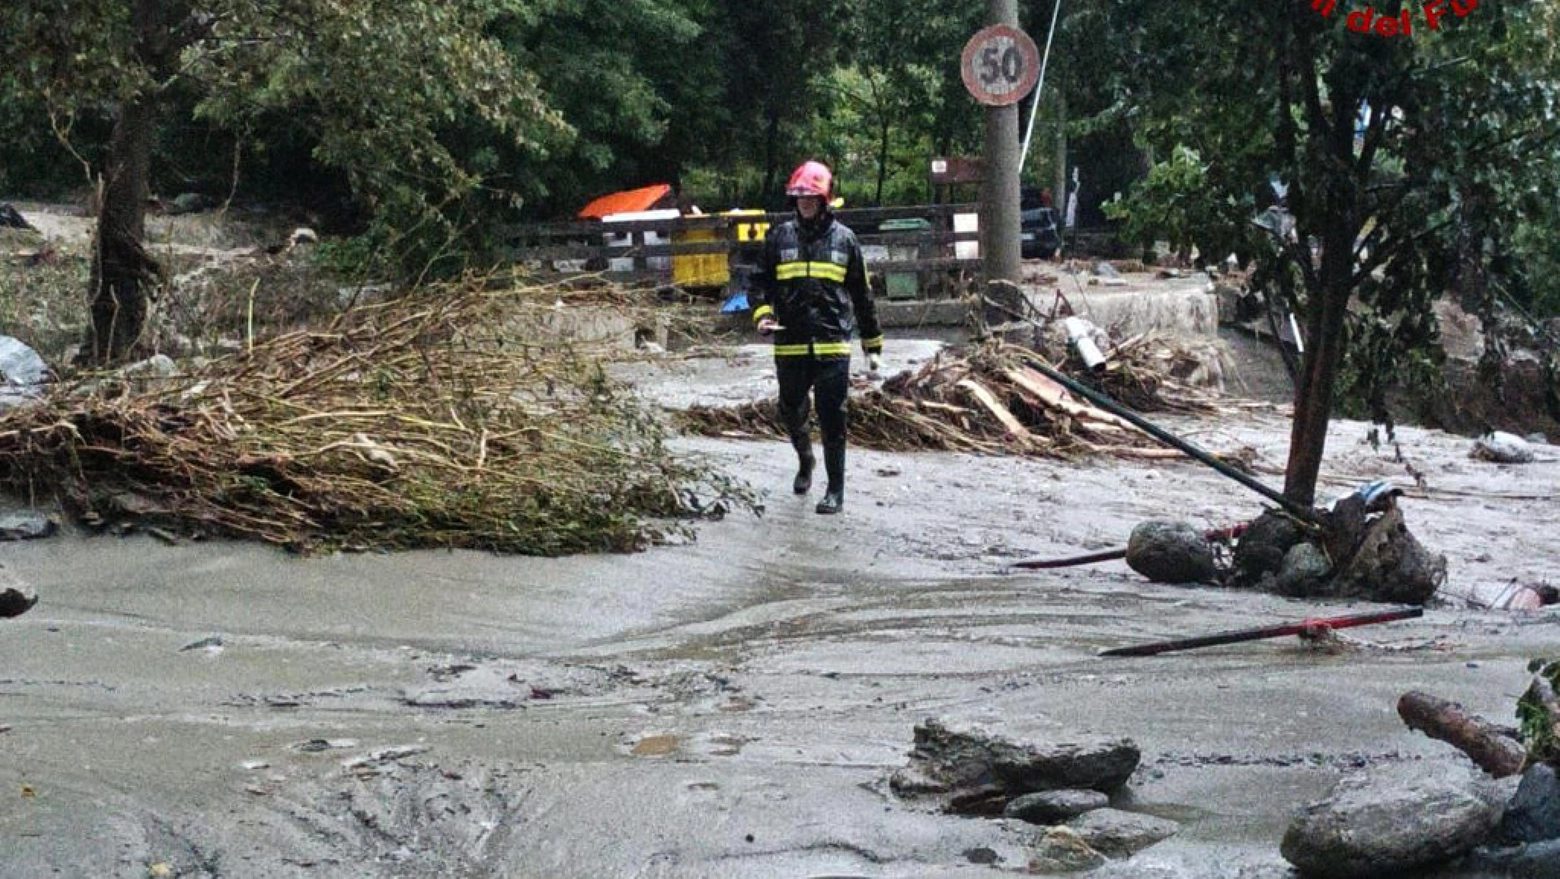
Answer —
829 381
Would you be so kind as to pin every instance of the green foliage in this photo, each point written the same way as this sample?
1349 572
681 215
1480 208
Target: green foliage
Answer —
1177 203
1535 724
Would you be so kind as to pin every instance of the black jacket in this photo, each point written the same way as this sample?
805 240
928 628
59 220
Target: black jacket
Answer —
812 280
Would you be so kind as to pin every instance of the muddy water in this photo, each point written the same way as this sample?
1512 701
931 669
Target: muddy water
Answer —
730 707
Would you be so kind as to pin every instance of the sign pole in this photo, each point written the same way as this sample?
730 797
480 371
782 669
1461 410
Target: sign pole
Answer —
999 209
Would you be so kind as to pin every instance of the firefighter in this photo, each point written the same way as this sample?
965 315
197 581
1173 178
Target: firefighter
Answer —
810 295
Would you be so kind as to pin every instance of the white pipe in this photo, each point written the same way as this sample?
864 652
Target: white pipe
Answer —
1034 109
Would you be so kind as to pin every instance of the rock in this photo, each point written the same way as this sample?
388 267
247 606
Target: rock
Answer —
1304 570
16 597
1385 824
1264 545
1171 552
1062 850
27 526
1053 807
1534 813
1121 834
980 773
1502 448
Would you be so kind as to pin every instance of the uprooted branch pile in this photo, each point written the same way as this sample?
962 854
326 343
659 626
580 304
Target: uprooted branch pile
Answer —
991 401
426 421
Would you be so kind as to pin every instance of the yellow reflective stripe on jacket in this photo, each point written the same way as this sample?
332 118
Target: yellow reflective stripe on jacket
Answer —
873 344
828 271
762 312
820 349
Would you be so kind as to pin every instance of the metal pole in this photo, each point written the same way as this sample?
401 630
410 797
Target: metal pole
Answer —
999 219
1299 510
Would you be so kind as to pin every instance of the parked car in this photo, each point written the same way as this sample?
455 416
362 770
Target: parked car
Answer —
1039 228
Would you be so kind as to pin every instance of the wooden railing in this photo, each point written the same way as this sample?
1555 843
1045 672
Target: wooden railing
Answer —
712 250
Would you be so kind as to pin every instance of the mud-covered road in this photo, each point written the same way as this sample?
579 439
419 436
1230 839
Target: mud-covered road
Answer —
731 707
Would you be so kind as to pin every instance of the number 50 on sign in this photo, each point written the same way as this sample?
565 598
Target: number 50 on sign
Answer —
1000 65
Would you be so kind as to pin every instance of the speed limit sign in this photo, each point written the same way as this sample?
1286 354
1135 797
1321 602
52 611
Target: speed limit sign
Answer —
1000 65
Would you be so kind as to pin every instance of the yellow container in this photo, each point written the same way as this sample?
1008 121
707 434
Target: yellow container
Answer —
699 269
749 231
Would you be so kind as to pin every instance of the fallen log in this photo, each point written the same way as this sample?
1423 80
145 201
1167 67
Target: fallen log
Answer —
1495 752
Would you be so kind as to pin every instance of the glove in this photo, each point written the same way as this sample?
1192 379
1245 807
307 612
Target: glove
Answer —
767 326
874 364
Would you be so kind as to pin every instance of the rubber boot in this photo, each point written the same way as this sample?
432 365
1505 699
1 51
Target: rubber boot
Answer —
834 464
804 466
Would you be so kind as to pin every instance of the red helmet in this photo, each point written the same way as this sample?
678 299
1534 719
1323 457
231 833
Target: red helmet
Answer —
811 178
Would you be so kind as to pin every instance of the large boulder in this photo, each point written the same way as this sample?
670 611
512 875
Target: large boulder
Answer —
1171 552
980 773
1390 823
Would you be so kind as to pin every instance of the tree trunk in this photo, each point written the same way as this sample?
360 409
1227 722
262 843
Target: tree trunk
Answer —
1319 367
122 271
1337 194
124 275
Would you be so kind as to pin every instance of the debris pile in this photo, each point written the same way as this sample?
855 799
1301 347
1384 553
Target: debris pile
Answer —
1360 548
423 421
992 401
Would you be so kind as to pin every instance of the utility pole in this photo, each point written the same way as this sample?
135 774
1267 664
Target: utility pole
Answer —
999 209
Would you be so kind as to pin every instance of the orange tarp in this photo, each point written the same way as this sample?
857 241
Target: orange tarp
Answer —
626 202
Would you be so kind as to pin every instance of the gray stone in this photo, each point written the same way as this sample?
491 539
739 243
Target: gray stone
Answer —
1502 448
971 760
1053 807
1171 552
1388 823
1263 546
1062 850
1534 813
27 526
1304 569
1121 834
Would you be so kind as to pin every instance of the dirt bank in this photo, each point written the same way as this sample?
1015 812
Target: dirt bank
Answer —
730 707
